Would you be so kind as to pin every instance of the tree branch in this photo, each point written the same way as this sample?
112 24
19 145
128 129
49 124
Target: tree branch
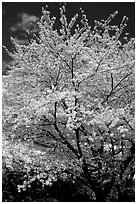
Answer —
128 123
129 158
112 90
78 142
61 134
90 76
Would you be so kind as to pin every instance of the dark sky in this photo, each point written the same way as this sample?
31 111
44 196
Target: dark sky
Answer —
17 15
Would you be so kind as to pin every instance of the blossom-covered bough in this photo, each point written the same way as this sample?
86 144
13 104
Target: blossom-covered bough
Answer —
68 105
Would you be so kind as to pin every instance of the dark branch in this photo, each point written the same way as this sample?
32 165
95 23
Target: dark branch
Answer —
112 90
78 142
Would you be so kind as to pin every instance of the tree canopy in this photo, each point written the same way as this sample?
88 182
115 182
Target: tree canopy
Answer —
68 105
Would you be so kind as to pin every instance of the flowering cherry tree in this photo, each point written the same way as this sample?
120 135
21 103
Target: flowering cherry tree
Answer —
68 105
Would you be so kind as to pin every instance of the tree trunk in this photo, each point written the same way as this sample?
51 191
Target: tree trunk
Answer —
100 197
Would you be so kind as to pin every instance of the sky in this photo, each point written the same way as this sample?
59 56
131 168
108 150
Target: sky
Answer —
17 17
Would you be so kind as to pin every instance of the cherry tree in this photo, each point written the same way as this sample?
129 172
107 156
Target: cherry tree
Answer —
68 105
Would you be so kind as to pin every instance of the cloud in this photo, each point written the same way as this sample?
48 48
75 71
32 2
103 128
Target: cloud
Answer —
20 41
25 22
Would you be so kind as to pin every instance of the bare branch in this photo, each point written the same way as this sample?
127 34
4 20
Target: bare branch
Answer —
47 145
78 142
128 123
112 90
112 82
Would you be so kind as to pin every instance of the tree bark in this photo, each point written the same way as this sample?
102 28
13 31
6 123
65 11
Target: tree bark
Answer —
93 184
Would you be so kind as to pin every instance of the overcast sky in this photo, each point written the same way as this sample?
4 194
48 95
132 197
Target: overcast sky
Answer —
19 16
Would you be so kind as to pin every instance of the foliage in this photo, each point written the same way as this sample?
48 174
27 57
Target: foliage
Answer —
68 106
